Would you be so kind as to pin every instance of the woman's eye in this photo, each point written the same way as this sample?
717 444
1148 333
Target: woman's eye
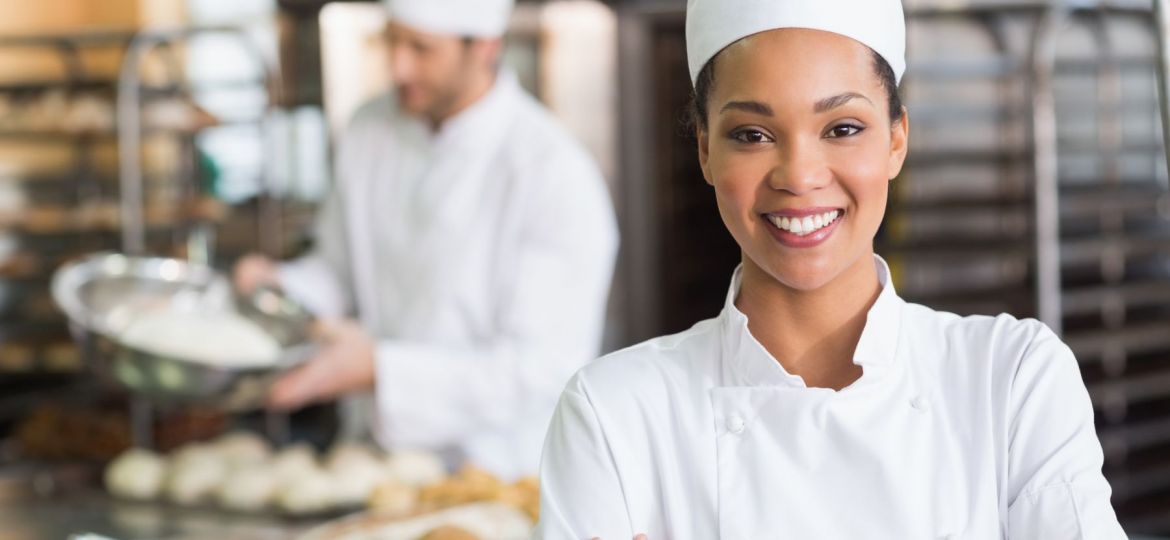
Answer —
750 136
844 130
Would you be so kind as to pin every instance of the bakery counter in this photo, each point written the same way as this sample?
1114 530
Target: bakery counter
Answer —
94 512
39 503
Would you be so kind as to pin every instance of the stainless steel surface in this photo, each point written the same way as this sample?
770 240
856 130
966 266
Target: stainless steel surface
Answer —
103 293
43 501
290 323
141 422
282 317
1162 24
201 243
1044 159
92 511
129 147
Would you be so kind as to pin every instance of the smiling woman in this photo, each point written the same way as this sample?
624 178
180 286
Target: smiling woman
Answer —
818 404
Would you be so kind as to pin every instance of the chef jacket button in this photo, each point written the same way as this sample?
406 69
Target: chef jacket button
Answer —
735 425
919 403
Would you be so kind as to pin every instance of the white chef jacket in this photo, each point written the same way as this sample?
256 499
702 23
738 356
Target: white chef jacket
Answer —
971 428
480 257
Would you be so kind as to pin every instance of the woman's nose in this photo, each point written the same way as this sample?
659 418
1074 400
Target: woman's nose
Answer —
799 170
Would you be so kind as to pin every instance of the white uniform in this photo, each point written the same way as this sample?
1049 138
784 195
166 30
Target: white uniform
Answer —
971 428
480 257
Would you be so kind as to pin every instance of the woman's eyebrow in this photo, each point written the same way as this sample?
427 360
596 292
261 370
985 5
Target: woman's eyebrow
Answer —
755 107
831 103
821 106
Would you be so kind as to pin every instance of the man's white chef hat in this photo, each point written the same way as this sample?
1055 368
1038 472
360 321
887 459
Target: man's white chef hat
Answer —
712 25
469 18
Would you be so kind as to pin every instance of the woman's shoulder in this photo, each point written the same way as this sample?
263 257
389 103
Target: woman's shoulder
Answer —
1004 344
675 361
972 326
1004 331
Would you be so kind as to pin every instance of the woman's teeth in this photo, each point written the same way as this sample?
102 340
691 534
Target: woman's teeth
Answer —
805 225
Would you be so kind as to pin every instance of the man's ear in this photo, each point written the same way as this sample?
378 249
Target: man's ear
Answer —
488 51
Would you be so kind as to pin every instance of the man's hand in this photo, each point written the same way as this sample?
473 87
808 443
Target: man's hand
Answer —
254 271
344 365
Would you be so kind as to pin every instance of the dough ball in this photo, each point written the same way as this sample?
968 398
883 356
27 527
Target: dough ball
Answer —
196 473
415 468
356 471
310 493
354 482
242 448
136 474
193 452
248 489
348 455
293 462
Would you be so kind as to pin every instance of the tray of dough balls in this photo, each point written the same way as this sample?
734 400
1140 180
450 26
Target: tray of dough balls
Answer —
366 493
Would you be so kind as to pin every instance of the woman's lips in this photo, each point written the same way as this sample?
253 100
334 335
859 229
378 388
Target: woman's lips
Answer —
803 228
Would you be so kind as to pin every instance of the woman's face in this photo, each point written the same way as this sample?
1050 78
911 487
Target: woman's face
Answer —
800 150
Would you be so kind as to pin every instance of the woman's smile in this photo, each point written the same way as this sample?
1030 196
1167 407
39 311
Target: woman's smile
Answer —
803 227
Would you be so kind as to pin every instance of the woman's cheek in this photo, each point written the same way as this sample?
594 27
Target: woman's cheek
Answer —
862 174
735 198
741 176
734 205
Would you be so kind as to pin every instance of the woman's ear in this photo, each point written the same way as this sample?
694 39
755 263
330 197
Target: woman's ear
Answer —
704 140
899 144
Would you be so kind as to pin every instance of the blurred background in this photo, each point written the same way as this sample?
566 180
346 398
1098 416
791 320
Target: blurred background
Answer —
1036 182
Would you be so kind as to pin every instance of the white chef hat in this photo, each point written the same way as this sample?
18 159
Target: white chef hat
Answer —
715 24
471 18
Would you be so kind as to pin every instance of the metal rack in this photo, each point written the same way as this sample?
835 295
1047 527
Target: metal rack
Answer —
130 132
131 220
1060 212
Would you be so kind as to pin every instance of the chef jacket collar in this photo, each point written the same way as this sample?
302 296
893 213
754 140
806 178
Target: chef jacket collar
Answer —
749 364
478 125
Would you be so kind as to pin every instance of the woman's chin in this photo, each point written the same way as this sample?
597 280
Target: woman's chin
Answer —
806 275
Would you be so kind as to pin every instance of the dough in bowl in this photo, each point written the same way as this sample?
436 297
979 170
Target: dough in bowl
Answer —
221 339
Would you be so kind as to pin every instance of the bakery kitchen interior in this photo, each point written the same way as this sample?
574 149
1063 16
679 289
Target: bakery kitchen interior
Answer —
321 269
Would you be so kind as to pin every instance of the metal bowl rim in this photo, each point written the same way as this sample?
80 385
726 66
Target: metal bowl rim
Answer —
70 277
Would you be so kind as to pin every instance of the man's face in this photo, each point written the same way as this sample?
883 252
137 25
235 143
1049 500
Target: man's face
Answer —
429 71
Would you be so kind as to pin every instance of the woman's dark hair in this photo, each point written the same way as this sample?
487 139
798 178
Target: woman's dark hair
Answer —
706 80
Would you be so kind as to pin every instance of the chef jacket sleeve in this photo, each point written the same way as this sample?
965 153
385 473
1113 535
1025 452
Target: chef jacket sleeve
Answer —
549 321
321 279
580 492
1056 489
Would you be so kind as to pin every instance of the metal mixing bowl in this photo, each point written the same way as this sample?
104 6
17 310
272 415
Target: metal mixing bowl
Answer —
102 293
